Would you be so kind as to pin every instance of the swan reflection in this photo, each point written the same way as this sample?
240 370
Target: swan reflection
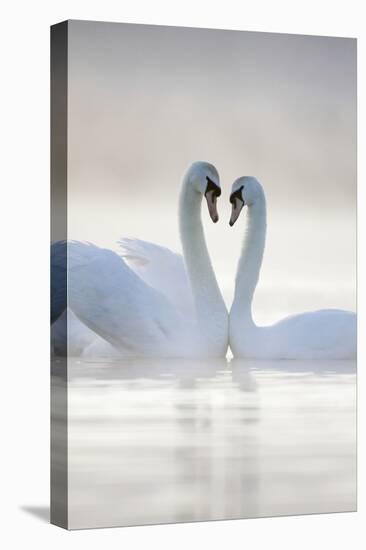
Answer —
154 441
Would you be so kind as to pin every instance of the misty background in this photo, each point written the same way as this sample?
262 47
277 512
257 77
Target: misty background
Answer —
146 101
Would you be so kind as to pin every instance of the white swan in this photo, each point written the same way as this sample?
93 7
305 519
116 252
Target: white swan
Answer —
158 266
166 315
324 334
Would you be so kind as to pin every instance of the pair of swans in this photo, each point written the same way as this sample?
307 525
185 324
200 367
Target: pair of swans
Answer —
150 302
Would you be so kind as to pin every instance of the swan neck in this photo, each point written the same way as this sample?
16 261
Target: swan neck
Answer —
251 258
205 290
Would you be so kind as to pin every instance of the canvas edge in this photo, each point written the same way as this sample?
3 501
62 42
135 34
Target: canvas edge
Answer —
58 103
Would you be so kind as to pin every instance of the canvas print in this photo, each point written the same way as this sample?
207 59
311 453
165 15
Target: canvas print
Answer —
203 274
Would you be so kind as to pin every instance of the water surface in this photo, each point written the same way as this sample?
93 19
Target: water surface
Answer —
171 441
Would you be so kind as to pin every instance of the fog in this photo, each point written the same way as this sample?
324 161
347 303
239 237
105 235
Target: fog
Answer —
146 101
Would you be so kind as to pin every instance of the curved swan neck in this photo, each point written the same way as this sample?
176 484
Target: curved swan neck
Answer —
251 257
206 292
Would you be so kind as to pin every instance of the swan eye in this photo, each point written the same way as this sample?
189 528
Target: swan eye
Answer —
211 186
237 195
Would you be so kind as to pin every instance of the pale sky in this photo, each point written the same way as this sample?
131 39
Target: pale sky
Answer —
147 101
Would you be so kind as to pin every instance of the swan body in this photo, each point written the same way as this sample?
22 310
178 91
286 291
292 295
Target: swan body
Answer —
324 334
148 301
69 336
156 265
159 268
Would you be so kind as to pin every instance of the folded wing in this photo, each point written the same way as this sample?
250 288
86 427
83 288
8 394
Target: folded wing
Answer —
161 269
116 303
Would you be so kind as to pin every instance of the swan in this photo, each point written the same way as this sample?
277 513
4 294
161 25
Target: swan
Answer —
178 310
324 334
156 265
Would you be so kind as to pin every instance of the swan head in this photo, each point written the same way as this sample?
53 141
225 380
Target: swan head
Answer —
245 191
204 178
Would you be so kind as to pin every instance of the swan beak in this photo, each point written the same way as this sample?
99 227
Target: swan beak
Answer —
237 206
211 198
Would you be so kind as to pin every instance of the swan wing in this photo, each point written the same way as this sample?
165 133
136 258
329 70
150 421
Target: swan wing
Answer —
70 336
113 301
162 269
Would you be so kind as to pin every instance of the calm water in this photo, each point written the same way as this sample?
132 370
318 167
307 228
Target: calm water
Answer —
159 441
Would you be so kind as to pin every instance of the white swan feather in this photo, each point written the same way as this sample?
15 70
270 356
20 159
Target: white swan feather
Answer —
324 334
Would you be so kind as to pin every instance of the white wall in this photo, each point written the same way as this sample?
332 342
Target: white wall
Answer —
25 221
